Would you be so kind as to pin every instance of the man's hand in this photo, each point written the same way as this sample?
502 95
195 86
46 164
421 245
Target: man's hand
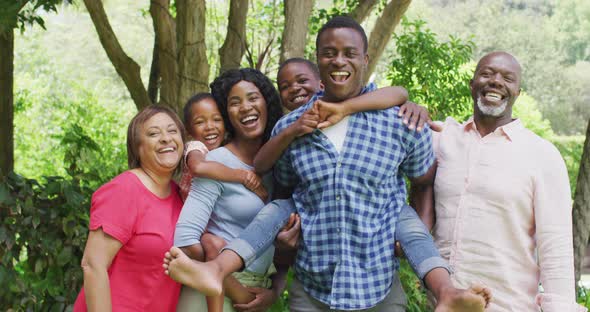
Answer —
414 116
263 301
288 237
306 123
330 113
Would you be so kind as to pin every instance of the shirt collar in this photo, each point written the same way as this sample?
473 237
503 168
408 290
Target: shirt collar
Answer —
510 130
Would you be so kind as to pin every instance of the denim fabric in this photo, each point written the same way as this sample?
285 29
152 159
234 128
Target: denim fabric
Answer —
417 243
261 232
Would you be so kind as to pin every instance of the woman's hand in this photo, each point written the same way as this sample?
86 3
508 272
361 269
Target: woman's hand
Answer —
414 116
263 301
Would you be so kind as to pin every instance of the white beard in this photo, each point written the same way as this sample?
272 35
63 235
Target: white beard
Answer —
492 111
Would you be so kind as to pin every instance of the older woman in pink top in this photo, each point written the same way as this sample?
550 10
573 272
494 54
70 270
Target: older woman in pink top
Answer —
503 203
132 220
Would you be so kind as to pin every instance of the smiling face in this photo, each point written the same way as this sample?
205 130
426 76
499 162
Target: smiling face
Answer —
246 109
160 144
495 85
342 61
207 123
297 84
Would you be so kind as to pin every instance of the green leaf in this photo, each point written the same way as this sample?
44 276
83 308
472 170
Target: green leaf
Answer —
39 265
64 256
36 221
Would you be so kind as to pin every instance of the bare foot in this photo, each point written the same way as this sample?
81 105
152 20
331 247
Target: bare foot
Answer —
205 277
463 300
483 291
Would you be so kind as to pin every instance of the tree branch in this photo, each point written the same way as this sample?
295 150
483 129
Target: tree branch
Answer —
126 67
362 10
234 46
383 30
165 29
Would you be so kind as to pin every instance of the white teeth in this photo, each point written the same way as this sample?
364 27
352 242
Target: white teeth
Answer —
211 137
298 99
493 96
249 118
339 73
167 149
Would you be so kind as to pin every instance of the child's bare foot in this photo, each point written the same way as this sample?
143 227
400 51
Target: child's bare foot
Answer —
463 300
205 277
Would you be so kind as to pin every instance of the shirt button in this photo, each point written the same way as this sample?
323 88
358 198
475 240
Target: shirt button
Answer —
339 165
338 197
338 230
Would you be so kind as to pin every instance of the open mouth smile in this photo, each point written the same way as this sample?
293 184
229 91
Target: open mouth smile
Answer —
340 76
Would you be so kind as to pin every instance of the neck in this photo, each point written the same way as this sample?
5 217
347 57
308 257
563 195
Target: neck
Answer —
245 149
488 124
157 182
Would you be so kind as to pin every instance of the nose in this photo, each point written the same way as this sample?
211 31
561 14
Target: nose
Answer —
246 106
495 79
209 125
165 137
338 60
294 89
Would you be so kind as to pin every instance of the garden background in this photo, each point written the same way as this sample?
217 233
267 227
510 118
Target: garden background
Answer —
73 73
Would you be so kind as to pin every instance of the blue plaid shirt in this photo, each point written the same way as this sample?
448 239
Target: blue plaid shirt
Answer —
349 203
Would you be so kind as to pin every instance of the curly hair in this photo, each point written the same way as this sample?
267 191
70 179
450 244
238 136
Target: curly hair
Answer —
222 85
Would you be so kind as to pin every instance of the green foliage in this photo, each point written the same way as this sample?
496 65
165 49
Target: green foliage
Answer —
570 148
583 297
433 71
42 234
415 292
527 109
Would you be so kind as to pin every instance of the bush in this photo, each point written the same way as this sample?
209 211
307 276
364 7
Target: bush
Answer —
42 234
436 74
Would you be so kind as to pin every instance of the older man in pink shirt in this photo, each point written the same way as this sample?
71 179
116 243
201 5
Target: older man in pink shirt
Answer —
503 203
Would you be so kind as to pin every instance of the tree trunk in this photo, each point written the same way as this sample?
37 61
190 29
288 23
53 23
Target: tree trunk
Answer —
193 66
297 13
126 67
383 30
154 82
232 50
581 209
165 29
6 101
362 10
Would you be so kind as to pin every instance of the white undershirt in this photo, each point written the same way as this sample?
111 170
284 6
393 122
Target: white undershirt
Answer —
337 133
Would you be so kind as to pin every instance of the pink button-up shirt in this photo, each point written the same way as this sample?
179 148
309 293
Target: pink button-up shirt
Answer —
503 216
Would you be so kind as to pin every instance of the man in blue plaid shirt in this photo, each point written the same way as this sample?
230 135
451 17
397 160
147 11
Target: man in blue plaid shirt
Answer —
349 189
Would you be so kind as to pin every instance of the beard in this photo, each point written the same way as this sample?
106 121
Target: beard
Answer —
491 111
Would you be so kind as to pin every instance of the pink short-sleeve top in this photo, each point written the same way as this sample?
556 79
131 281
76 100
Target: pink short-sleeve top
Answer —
144 223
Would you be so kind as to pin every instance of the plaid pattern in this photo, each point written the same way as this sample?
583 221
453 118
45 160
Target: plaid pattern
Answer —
187 177
349 203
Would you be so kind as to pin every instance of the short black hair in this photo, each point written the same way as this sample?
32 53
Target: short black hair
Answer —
341 21
223 84
186 111
298 60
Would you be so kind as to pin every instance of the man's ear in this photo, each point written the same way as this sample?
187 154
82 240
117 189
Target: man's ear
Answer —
518 93
471 84
366 59
322 87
